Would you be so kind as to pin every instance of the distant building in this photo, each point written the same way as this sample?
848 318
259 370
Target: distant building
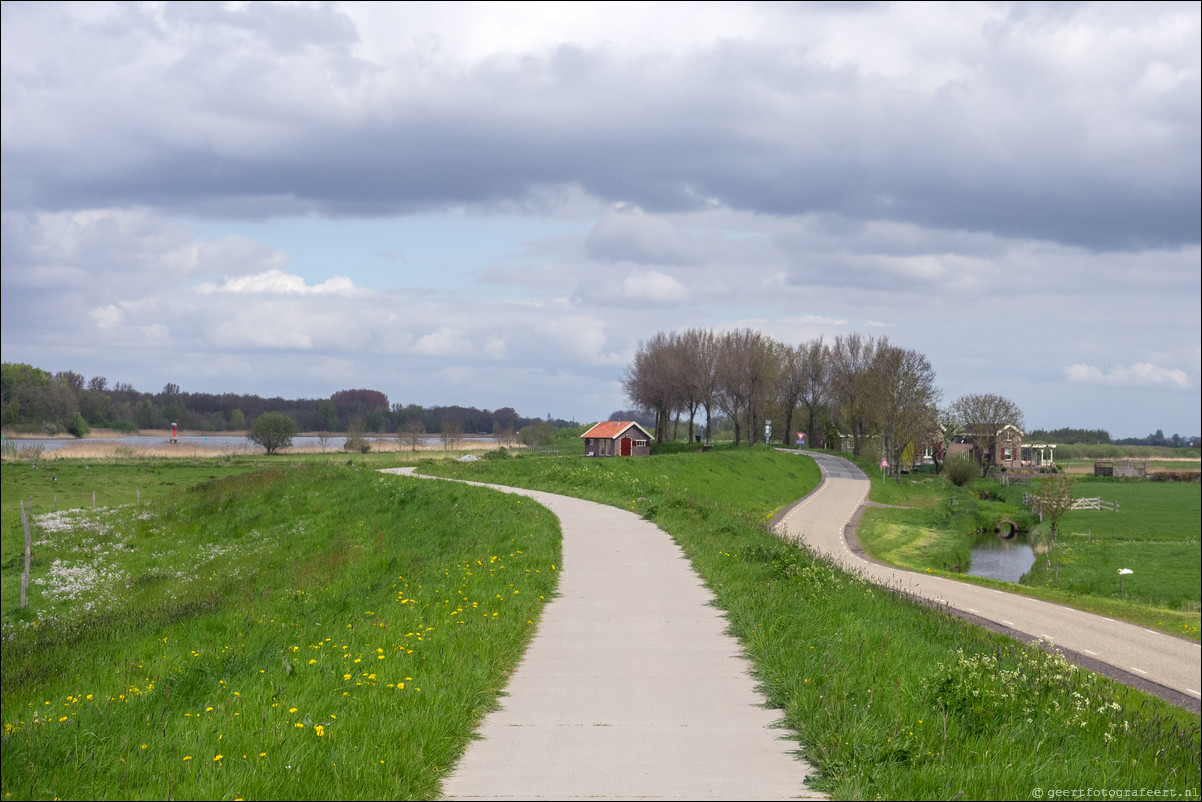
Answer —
1011 453
617 438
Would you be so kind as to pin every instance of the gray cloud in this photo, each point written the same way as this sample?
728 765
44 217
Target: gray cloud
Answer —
201 108
1012 189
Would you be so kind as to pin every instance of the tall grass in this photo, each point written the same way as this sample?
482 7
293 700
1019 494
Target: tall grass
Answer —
889 699
321 633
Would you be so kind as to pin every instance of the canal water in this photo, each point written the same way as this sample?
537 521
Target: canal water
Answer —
995 558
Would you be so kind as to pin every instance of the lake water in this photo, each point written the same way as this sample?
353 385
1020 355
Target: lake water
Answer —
995 558
224 441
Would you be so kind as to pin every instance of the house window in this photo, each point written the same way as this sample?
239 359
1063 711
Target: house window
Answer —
1007 454
640 442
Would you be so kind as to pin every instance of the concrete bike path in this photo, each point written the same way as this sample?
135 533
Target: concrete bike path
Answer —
630 688
1152 661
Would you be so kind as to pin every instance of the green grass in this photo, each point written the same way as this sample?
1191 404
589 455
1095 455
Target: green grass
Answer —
315 632
1155 533
889 698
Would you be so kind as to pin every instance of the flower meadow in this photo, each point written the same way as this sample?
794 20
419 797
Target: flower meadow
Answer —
316 633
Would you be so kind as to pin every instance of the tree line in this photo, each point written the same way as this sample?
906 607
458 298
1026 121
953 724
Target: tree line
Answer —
35 401
1068 436
860 392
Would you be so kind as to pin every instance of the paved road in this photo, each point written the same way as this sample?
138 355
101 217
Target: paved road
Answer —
1168 666
630 688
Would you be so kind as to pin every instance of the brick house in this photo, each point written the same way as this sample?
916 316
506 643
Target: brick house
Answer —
1011 453
617 438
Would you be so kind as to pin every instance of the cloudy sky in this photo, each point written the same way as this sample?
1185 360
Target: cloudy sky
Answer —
492 204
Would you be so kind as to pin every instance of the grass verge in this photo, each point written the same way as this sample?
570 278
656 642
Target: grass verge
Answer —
316 633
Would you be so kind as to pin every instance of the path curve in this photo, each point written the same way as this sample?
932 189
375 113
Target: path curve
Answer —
630 688
1152 661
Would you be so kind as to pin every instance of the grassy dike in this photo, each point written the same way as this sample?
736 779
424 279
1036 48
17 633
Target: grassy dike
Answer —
889 699
322 632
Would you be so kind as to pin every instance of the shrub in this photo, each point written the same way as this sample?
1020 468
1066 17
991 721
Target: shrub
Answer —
272 431
960 470
79 427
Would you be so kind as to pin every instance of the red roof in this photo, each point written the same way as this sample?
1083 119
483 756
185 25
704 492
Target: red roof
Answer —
613 429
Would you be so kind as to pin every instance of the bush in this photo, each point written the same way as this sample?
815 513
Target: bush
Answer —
79 427
272 431
961 469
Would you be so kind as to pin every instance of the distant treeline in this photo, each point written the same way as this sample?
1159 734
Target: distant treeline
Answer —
1102 437
36 401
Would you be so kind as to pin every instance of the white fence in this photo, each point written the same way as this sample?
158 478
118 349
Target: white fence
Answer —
1095 504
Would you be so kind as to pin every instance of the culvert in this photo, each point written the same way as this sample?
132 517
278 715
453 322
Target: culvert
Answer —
1006 529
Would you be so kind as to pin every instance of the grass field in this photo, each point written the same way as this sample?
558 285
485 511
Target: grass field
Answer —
888 698
1155 533
315 633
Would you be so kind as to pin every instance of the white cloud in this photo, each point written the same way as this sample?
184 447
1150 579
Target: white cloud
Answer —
1140 374
108 316
277 282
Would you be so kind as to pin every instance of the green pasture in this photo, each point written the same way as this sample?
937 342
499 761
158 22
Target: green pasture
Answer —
305 633
1155 533
888 698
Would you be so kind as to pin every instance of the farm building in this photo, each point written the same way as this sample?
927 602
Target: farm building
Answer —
1011 452
617 438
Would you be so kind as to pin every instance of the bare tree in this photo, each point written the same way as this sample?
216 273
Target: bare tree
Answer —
504 434
816 384
649 381
452 433
790 383
984 416
852 385
746 377
948 429
707 377
1052 498
355 440
905 396
414 429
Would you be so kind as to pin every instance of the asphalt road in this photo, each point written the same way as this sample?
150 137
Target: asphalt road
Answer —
1167 666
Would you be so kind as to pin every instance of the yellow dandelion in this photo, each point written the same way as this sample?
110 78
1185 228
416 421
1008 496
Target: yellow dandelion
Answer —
218 757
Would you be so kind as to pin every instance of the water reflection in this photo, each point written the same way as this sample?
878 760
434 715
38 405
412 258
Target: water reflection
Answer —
995 558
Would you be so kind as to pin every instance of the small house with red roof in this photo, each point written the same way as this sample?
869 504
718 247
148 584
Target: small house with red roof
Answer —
617 438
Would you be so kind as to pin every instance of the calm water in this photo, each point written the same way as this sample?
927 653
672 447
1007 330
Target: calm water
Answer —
1008 560
214 440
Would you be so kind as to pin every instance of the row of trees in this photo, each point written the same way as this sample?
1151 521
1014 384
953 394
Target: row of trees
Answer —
35 400
1070 436
855 389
